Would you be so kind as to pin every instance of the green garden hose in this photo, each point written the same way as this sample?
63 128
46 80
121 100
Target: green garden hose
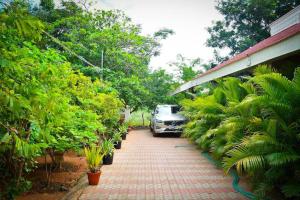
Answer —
234 175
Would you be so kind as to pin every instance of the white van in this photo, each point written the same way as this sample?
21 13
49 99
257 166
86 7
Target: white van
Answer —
166 119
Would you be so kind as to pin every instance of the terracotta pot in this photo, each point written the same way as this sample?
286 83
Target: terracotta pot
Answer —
118 145
108 159
94 178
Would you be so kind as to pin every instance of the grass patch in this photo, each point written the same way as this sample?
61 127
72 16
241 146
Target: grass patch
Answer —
136 118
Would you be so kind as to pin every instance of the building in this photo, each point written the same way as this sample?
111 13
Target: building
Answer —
281 50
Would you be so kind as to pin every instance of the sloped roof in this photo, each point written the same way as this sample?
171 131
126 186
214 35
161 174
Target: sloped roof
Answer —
293 30
269 42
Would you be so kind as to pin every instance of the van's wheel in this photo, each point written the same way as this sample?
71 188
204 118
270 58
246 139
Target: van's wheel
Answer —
151 129
155 134
178 135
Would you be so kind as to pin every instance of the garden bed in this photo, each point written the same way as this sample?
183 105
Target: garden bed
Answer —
72 168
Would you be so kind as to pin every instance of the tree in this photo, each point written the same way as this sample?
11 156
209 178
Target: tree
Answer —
246 22
187 68
46 107
131 91
47 5
90 33
16 17
126 51
159 84
50 100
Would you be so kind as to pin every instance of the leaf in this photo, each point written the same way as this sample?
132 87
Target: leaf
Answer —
6 138
244 160
272 127
263 69
291 190
282 158
296 79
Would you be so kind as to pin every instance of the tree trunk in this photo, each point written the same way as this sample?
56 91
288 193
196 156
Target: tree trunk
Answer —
19 173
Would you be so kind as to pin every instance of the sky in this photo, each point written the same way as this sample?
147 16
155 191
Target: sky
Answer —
188 18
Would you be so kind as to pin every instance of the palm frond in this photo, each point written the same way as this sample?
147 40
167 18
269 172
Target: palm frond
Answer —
263 69
275 85
282 158
260 141
243 159
291 190
296 78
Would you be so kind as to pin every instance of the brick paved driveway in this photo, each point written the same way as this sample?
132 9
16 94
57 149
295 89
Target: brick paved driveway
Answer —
160 168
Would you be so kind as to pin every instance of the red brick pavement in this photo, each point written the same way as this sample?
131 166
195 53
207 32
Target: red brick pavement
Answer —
160 168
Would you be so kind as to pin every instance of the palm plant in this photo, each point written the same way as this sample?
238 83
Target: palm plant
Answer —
273 153
216 116
253 127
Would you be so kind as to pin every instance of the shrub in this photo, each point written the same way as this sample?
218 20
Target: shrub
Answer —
46 108
253 127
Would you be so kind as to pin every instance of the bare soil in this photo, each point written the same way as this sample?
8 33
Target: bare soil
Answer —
62 180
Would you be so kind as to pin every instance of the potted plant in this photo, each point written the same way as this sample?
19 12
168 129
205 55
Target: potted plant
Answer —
94 157
122 118
123 131
129 129
107 147
117 138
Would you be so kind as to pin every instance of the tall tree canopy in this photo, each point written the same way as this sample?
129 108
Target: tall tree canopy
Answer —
246 22
187 68
126 52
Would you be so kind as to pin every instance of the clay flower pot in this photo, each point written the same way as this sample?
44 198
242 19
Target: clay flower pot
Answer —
94 177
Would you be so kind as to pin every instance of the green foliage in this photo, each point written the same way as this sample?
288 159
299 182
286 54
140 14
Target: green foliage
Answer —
126 52
46 106
47 5
187 68
107 147
253 127
136 118
159 84
117 137
245 22
50 101
123 128
15 16
132 92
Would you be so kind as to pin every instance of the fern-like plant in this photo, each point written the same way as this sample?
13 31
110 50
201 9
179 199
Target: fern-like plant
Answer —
253 127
